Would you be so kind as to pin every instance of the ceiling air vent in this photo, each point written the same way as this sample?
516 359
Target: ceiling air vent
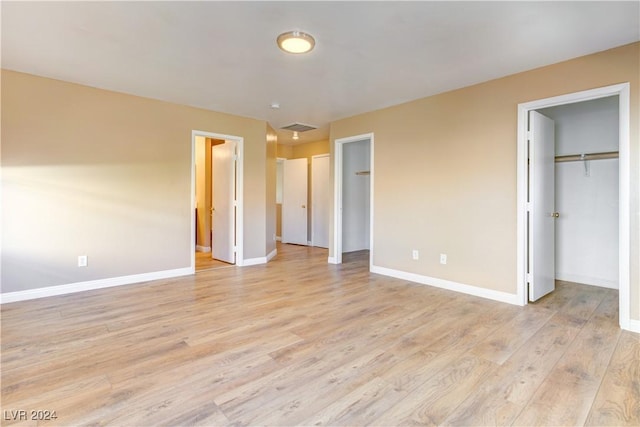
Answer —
298 127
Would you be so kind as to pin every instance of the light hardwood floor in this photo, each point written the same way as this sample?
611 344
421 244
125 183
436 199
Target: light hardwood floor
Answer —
301 342
205 262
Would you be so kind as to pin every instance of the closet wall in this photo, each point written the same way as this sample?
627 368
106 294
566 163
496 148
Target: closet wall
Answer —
356 198
587 193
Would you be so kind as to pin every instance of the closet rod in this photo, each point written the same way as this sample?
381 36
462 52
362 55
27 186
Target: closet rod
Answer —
587 156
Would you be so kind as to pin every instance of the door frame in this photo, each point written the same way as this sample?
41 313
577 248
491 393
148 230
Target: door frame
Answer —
239 193
313 208
624 184
336 244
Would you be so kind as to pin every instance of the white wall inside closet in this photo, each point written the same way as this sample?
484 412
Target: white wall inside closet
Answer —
355 196
586 193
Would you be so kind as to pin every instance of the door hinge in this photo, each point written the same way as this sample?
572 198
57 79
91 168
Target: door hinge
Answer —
235 157
235 203
529 135
529 277
528 206
235 249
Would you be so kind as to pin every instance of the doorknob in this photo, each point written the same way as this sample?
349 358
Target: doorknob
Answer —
303 206
555 214
212 209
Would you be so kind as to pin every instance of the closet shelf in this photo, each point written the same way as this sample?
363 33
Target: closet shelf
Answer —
587 156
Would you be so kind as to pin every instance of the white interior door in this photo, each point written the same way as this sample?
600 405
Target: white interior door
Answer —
320 201
542 211
223 215
294 201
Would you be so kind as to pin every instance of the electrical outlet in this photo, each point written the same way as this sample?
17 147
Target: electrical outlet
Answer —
443 258
83 261
415 254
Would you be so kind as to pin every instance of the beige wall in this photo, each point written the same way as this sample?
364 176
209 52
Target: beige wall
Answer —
284 151
202 236
270 180
204 188
445 171
309 149
98 173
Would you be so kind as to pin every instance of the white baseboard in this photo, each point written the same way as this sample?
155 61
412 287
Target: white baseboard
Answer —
91 285
332 260
203 248
587 280
260 260
449 285
254 261
633 326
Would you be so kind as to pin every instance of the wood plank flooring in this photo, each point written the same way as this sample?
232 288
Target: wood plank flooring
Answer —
205 262
302 342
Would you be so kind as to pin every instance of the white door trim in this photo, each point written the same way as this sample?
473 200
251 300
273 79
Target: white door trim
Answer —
239 193
337 197
624 242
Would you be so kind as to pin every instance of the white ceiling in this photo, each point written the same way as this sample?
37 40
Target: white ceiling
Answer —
223 56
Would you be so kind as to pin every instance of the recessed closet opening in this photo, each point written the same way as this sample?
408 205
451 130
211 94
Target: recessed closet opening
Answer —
586 191
353 199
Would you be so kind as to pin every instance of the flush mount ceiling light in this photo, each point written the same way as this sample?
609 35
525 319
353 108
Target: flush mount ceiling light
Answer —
296 42
295 135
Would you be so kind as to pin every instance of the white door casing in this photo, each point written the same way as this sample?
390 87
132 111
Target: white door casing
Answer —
294 201
541 205
223 216
320 211
336 248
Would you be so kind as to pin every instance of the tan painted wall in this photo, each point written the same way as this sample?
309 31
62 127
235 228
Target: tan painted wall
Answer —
445 171
284 151
204 185
310 149
207 185
279 220
270 180
202 234
98 173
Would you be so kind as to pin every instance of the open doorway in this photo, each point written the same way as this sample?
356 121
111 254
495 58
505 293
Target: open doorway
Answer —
217 199
541 199
353 198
